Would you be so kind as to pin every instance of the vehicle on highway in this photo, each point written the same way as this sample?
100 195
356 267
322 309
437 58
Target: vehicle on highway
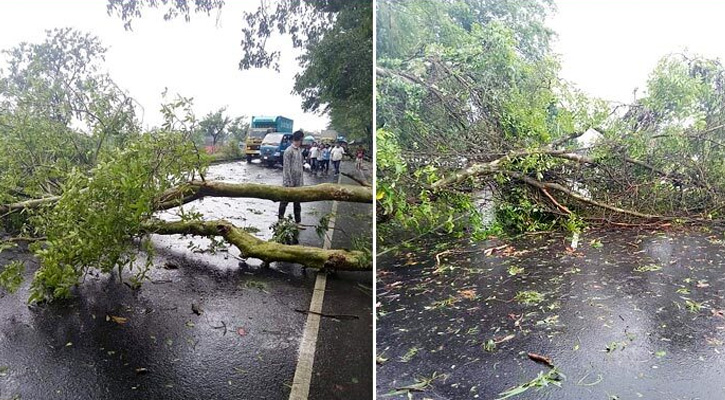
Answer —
273 147
259 128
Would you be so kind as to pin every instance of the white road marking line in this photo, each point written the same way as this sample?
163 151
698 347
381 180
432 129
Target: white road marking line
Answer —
306 359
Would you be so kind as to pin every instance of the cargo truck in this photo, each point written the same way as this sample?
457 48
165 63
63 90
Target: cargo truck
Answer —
259 128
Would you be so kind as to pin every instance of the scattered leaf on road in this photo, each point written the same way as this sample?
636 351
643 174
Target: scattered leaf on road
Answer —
118 320
541 359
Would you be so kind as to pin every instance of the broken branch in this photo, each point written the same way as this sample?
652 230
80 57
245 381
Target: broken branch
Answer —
253 247
195 190
322 192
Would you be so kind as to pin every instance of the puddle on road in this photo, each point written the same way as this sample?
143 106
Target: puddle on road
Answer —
626 316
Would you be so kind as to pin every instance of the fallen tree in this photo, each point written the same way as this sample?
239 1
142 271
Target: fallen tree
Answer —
100 219
567 186
325 191
195 190
253 247
475 113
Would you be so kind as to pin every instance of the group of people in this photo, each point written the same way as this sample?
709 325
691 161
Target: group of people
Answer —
319 155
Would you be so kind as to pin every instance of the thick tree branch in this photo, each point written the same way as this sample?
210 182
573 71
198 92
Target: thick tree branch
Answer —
253 247
29 204
362 181
480 169
576 196
197 189
322 192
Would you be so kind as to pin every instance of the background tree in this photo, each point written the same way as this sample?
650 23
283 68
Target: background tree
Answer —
57 113
335 35
216 126
238 128
406 27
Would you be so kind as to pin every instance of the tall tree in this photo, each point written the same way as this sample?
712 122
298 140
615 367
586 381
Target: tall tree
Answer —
57 112
216 126
238 128
337 41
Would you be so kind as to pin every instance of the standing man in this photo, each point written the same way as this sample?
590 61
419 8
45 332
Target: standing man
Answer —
292 173
336 156
314 154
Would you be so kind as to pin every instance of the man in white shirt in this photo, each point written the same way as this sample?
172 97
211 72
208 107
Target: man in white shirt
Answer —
336 156
314 154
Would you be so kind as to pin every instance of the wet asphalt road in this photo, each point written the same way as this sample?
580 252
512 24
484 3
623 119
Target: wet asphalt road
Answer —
345 370
111 342
629 315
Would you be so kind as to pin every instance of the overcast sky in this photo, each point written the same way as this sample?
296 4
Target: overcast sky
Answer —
197 59
609 47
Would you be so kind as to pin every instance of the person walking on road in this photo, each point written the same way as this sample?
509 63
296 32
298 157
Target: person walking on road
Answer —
314 154
306 153
325 159
359 158
292 174
336 156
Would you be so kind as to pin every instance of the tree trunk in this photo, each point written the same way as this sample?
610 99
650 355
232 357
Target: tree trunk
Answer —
495 166
322 192
197 189
253 247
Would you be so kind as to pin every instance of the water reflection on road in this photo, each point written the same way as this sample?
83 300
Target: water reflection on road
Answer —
628 315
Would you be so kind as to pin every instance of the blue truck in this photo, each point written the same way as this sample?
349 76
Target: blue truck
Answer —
259 128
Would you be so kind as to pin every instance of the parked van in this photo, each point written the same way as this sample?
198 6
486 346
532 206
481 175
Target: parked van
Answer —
273 147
